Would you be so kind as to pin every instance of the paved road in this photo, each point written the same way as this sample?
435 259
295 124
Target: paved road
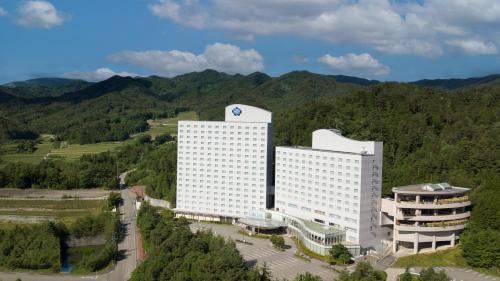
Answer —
127 248
282 264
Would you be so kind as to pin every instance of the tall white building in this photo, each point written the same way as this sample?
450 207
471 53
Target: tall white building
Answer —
224 168
336 182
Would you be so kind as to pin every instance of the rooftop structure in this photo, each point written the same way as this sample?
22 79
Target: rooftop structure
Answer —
426 216
430 188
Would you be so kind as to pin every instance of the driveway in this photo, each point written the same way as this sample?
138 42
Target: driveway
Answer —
282 264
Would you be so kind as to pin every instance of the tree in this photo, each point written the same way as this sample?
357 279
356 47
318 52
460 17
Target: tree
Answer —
114 200
362 272
406 276
339 254
307 277
428 274
265 274
278 241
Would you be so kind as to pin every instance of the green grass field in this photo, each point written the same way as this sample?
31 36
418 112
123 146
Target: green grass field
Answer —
58 214
168 125
75 151
12 156
66 211
52 204
72 152
452 257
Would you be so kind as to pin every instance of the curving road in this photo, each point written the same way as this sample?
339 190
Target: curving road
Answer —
124 266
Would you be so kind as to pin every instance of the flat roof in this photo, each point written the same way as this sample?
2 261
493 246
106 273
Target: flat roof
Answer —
430 188
320 228
262 223
324 150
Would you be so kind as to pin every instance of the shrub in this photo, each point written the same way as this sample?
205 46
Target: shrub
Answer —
278 241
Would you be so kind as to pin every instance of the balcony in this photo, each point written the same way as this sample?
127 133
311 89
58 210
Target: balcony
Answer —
447 217
434 226
431 204
453 200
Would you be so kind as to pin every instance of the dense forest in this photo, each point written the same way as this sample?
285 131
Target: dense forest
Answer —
156 169
35 247
175 253
89 172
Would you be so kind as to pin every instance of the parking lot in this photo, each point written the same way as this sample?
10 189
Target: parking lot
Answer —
282 264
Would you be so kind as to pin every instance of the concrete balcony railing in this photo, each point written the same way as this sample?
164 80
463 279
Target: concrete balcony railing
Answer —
430 205
434 226
449 217
453 200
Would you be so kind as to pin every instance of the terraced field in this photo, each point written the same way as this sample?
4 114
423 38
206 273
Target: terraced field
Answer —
168 125
75 151
72 152
11 155
34 210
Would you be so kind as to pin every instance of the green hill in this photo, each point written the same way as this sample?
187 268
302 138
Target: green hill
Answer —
43 87
453 84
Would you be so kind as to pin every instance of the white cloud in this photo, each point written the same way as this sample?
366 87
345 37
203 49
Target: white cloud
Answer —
474 47
97 75
401 27
353 64
2 12
39 14
222 57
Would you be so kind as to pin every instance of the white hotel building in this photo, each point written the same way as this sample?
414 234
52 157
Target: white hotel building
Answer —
335 183
224 168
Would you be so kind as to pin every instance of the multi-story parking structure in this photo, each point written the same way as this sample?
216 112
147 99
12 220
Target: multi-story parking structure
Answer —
224 168
426 216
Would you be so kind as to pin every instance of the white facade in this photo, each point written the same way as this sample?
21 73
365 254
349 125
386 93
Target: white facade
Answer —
224 168
336 182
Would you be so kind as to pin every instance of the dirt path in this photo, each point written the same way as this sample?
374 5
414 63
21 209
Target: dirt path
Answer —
50 194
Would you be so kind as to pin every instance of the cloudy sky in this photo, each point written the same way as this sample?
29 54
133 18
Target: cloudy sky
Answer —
402 40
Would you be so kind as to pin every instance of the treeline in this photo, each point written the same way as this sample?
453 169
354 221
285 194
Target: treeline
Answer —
481 239
156 166
10 130
34 247
428 136
175 253
97 170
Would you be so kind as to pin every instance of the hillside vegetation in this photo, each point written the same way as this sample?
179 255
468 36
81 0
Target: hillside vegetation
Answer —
429 135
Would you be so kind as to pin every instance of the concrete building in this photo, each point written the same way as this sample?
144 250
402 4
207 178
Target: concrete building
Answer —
426 216
335 184
224 168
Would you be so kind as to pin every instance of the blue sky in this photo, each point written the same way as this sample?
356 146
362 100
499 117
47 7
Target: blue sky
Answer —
377 39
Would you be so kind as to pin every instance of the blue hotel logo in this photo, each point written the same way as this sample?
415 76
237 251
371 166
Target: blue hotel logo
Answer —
236 111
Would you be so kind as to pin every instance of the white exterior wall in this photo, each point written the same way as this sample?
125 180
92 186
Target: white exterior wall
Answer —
224 168
331 185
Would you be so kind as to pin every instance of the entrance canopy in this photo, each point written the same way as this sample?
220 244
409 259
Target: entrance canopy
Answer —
262 223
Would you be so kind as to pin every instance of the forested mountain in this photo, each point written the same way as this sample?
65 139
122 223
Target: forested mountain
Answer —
430 134
115 108
453 84
11 130
43 87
